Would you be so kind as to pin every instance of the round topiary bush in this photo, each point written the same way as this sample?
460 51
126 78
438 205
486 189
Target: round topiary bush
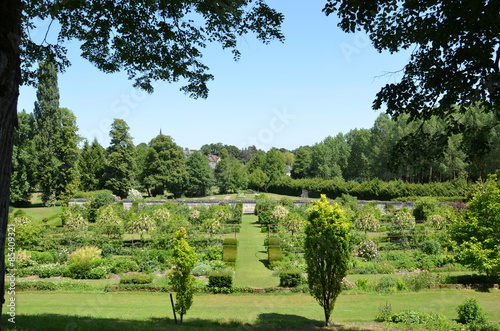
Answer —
471 313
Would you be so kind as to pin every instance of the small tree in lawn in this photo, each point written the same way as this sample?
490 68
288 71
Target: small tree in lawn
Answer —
183 260
327 252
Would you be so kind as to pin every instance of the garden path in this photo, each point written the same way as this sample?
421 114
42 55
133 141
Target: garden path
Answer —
252 256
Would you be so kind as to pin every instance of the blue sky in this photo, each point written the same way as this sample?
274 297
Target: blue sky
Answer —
319 82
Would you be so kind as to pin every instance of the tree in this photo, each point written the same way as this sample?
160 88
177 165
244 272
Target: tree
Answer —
91 165
302 162
119 175
230 174
327 252
477 237
329 157
119 43
200 176
274 166
164 167
55 139
455 58
22 180
183 261
359 166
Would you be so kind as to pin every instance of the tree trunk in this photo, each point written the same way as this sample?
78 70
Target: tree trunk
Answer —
10 79
327 316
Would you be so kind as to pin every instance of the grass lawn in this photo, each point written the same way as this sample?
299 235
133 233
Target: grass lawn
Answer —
39 213
252 256
152 311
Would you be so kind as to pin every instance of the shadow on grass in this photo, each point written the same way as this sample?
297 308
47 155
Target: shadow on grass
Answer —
56 322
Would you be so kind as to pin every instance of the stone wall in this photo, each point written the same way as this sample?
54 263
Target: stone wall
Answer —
248 205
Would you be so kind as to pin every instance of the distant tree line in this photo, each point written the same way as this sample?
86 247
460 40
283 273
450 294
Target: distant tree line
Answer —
393 158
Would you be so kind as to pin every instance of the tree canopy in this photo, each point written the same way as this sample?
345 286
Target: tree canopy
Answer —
455 51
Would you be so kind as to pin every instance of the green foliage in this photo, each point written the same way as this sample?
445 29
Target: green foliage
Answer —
164 167
83 260
431 247
470 312
27 232
119 174
290 278
99 199
218 280
384 313
477 238
200 177
122 265
183 261
327 252
424 208
390 284
416 281
136 278
109 223
91 165
230 251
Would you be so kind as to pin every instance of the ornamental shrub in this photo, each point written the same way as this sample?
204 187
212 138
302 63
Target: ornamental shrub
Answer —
470 313
431 247
124 264
81 261
366 250
136 278
290 278
220 280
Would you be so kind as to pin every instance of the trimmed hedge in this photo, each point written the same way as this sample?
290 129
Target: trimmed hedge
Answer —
136 278
274 251
230 242
230 251
290 278
220 280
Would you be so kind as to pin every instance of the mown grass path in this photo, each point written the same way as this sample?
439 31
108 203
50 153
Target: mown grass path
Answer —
250 268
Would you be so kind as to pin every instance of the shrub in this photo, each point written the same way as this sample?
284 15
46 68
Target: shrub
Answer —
274 255
366 250
417 281
136 278
230 242
50 270
220 280
272 241
424 208
470 313
98 272
290 278
81 261
201 269
390 285
42 257
401 261
363 284
431 247
229 253
385 268
347 285
123 264
384 313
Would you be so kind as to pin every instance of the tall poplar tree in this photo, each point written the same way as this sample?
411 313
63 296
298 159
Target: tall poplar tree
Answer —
119 174
22 180
327 252
55 140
